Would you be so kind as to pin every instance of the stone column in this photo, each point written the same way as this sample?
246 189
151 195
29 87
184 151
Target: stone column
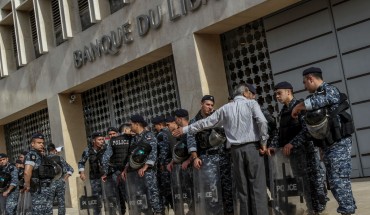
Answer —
200 70
68 130
2 140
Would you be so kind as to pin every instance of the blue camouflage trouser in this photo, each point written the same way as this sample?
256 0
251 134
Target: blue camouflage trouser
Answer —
226 181
316 175
337 159
96 190
153 191
42 201
11 202
116 176
58 189
164 180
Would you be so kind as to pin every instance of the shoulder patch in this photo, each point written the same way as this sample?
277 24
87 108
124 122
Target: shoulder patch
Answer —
33 157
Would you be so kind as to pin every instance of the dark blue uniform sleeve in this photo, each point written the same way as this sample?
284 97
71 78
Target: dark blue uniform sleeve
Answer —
14 175
328 96
67 169
152 141
163 147
106 157
191 142
84 158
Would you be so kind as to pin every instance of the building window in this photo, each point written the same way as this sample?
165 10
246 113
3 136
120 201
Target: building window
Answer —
18 133
115 5
34 34
57 24
247 60
149 91
83 8
15 50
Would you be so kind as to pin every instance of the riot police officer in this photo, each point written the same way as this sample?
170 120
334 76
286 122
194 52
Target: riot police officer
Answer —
115 159
200 147
94 154
304 157
165 145
58 186
8 186
145 142
335 135
38 174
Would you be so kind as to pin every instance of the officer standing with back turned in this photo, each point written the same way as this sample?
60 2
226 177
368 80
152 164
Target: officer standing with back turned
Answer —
335 134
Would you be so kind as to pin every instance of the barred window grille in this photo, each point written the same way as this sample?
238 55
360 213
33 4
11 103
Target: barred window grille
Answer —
34 34
247 60
18 133
57 24
150 91
115 5
83 9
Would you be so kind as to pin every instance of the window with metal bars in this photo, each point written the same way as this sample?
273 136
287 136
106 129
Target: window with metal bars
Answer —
150 91
115 5
34 34
18 133
83 10
14 44
57 24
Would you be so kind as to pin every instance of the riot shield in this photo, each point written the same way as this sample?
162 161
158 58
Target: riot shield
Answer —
289 186
88 204
182 190
111 197
137 192
24 206
207 188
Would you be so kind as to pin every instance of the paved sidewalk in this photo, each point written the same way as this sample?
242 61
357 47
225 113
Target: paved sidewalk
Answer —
361 190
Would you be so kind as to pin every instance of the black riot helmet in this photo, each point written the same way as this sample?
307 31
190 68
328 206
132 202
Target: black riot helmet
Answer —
4 181
217 137
317 123
180 152
140 155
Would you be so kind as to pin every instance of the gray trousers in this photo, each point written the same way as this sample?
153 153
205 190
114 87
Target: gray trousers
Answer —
250 179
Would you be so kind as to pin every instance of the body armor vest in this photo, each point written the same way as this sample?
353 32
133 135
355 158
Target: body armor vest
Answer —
171 140
95 159
202 137
120 147
5 177
48 169
289 127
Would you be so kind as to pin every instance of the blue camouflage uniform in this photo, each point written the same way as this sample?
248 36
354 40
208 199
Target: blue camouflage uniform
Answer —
150 175
218 156
12 198
114 160
42 196
165 144
305 161
337 157
58 187
96 171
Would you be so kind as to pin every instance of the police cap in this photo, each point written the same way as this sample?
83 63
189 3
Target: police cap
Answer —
283 85
3 155
24 153
251 88
157 120
208 97
112 129
138 119
38 136
170 119
181 113
97 134
311 70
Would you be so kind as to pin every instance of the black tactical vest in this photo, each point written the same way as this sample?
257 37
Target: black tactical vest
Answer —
95 159
202 137
289 127
120 147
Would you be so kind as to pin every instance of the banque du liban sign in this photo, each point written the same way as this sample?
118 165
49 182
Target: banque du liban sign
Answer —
112 42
